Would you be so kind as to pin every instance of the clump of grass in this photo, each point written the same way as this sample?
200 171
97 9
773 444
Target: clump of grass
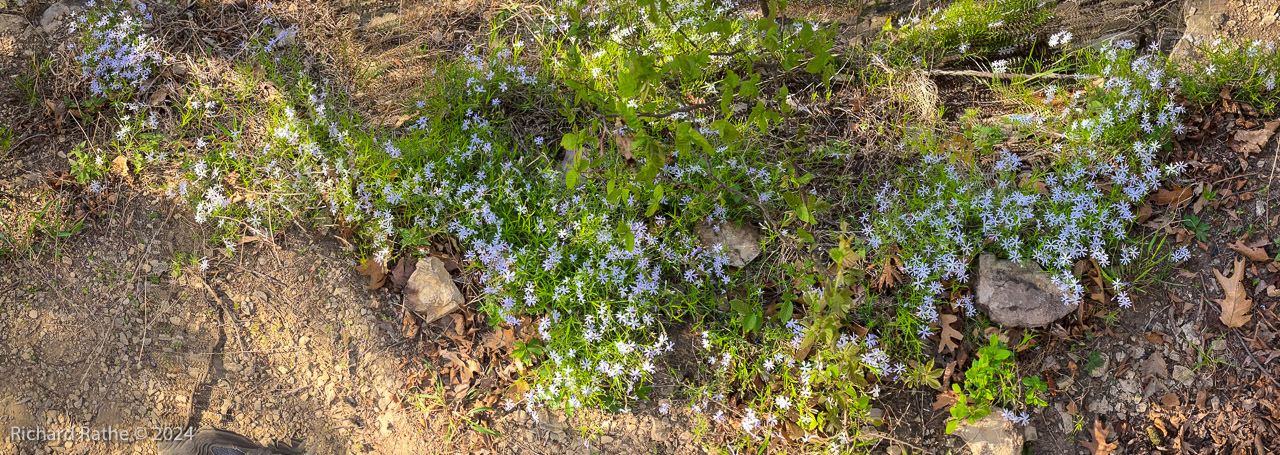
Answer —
998 31
1247 70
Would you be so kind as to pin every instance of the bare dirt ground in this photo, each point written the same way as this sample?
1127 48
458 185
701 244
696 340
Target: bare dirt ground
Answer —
285 342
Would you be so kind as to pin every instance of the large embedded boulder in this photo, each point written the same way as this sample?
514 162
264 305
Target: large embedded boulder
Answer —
1018 295
431 291
991 435
741 243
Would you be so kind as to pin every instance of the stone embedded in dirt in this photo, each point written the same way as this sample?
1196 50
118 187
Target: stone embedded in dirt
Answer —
1017 295
12 25
991 435
57 14
741 243
14 36
570 156
1183 375
1101 369
431 292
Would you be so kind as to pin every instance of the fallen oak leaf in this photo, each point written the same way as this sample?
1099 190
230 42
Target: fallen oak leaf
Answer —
1174 198
1235 304
1254 251
376 272
1099 445
404 269
949 334
890 276
945 400
1249 142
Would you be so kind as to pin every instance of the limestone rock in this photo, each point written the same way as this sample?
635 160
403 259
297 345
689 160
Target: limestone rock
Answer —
741 243
1017 295
58 14
991 435
12 25
431 292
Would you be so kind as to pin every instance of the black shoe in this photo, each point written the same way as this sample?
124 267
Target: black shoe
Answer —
212 441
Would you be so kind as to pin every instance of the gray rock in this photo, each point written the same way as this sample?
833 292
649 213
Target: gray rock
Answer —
386 20
1183 374
431 292
1017 295
741 243
1100 370
567 161
12 25
57 14
991 435
1204 23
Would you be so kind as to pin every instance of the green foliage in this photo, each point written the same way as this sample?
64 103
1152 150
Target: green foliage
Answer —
972 28
1197 226
1243 72
992 380
87 166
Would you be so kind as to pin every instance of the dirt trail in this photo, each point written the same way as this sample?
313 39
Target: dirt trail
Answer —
273 344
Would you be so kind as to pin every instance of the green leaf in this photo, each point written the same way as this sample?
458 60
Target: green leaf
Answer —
623 230
656 201
570 141
805 235
571 178
817 63
739 306
786 310
726 95
753 322
477 427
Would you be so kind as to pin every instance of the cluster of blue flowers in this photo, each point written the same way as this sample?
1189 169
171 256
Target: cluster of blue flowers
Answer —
1079 207
117 55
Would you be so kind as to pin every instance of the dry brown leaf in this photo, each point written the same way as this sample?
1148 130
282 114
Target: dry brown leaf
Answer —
1254 251
1155 366
466 369
120 166
404 269
944 400
409 325
376 272
1174 198
1169 400
624 142
1235 304
1099 445
950 336
1144 212
1251 141
57 110
890 276
159 95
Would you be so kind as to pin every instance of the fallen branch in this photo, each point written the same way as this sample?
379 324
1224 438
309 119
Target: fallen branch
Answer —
990 75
